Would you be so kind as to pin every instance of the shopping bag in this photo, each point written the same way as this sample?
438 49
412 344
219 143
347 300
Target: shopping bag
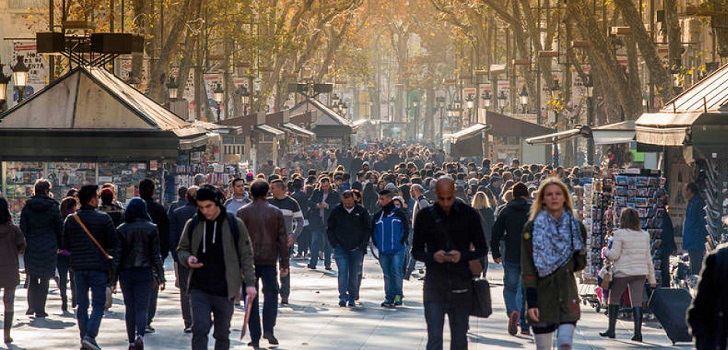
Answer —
481 306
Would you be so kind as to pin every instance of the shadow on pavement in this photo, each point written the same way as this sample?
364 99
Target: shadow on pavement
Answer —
49 324
478 339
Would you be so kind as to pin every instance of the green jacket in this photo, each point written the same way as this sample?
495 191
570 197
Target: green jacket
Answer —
556 296
238 265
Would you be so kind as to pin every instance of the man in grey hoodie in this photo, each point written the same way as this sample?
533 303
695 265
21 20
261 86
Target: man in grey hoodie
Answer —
239 198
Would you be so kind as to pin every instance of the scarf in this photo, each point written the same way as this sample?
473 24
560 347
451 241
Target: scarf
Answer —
555 241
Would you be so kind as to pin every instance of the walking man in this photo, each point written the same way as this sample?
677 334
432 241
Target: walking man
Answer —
159 218
293 218
418 193
270 244
443 237
90 237
508 227
349 230
323 200
215 246
177 222
239 198
694 230
41 223
391 228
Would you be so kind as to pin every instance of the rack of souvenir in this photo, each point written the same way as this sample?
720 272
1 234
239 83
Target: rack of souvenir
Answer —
636 188
597 213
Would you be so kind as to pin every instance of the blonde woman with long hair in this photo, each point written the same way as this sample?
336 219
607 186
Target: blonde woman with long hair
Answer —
552 249
482 204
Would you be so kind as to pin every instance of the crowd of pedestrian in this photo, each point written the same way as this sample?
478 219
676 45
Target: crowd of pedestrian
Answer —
405 200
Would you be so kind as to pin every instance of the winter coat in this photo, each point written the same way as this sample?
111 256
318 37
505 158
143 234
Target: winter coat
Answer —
509 227
139 247
160 218
390 240
333 199
267 230
630 253
177 221
694 230
85 255
12 243
349 230
115 211
556 295
40 221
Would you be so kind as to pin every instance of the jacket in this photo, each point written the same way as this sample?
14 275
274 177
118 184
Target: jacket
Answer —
509 227
177 222
420 203
233 204
174 206
398 237
668 236
314 218
41 223
139 247
267 231
630 253
707 314
435 230
352 230
556 295
85 255
239 266
115 211
12 244
160 218
694 230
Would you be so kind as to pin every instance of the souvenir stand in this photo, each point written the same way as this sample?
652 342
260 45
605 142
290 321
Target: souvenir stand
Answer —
596 211
89 127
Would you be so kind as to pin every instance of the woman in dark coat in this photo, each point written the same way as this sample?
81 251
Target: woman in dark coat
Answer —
68 207
12 244
41 223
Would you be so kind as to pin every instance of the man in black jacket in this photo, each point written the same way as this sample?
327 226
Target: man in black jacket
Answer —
706 314
159 218
90 266
322 201
508 227
443 237
348 232
177 221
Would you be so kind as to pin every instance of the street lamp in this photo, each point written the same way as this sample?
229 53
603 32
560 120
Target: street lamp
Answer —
20 77
487 100
344 108
502 100
244 97
470 103
589 85
4 80
523 97
457 113
555 91
441 104
335 102
173 88
218 95
415 103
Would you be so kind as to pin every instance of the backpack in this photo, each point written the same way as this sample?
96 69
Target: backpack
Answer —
388 233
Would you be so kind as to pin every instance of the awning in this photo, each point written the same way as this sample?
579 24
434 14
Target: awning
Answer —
661 136
269 130
550 139
298 130
467 132
612 134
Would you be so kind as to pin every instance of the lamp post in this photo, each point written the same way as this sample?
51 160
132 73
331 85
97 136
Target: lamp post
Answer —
218 95
335 102
344 109
502 100
487 100
173 88
589 85
457 113
244 94
4 80
523 98
20 77
470 103
555 91
441 103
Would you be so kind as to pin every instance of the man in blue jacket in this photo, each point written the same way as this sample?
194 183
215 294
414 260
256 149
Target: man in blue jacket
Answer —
694 230
177 220
391 228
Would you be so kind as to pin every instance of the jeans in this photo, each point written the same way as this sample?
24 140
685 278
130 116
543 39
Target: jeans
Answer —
222 310
349 264
513 293
696 260
153 295
37 293
320 242
136 285
184 297
64 276
435 318
285 290
96 282
269 275
304 240
392 267
665 270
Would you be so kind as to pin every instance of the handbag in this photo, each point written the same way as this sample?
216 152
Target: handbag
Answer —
606 274
481 305
579 256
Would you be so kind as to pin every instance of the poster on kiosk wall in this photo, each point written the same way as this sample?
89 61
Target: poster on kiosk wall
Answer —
37 75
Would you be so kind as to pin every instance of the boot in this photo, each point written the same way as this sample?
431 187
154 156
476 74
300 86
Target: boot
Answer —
613 310
7 324
637 313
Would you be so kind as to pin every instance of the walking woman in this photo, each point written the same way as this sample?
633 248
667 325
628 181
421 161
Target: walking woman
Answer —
483 205
552 249
140 260
631 266
68 207
12 244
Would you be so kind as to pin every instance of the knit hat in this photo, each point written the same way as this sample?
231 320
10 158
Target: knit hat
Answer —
390 186
137 209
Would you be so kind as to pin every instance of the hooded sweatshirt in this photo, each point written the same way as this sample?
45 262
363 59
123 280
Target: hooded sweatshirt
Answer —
509 227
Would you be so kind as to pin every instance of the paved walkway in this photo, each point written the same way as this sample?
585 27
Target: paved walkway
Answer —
313 320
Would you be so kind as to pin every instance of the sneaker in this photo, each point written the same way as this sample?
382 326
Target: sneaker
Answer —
30 312
397 300
513 322
139 343
387 303
42 314
351 303
342 302
90 343
271 339
312 267
284 301
188 330
525 331
254 345
328 268
149 329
